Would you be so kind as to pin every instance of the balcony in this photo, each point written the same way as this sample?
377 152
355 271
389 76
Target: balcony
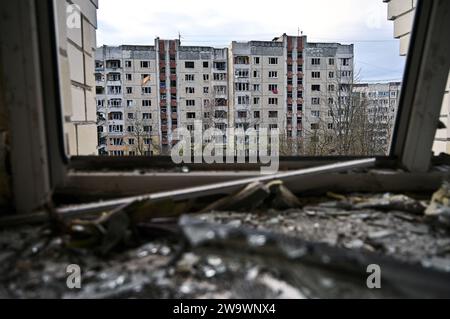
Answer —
163 103
173 64
173 103
173 90
300 61
290 61
164 116
174 116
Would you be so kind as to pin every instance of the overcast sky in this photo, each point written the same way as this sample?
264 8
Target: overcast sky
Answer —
217 23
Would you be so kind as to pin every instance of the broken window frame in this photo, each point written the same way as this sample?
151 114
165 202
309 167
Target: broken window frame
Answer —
412 143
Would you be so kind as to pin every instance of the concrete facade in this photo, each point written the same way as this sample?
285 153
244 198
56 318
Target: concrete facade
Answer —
76 28
381 103
329 76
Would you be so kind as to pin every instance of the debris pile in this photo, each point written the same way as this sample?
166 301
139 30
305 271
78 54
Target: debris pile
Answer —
261 242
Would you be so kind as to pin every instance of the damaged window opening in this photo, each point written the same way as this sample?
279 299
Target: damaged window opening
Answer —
304 163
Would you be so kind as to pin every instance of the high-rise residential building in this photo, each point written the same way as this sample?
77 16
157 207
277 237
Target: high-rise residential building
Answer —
380 104
402 13
127 100
76 26
145 92
329 76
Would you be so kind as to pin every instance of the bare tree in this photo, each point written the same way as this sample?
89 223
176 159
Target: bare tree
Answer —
142 135
352 126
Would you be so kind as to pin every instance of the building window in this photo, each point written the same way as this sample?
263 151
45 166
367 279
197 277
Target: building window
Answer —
244 74
131 116
128 64
130 103
146 103
256 114
273 114
242 114
205 77
315 61
190 77
273 61
131 141
315 113
346 74
190 90
315 87
129 77
345 61
273 74
145 64
146 116
256 87
206 90
243 100
190 115
256 60
330 126
256 100
273 88
314 126
129 90
205 64
116 128
240 87
189 65
315 101
331 61
331 87
190 102
273 101
220 77
146 90
315 75
147 129
114 90
242 60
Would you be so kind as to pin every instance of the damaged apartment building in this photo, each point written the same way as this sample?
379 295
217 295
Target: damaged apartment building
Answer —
289 84
144 93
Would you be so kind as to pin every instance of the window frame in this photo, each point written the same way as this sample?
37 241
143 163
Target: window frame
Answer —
411 147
